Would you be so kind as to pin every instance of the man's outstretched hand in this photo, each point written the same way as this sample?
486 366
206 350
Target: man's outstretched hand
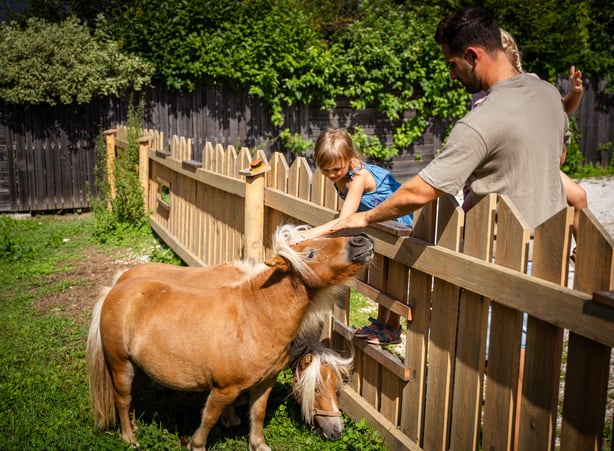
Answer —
354 221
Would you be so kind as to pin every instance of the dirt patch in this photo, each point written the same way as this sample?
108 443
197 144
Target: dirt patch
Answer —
83 284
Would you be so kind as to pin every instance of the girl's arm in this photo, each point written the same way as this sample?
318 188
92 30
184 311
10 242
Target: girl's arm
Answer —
412 195
356 188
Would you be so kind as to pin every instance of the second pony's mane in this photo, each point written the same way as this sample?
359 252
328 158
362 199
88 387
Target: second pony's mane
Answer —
307 385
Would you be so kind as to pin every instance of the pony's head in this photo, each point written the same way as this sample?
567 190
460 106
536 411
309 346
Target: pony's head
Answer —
320 262
318 377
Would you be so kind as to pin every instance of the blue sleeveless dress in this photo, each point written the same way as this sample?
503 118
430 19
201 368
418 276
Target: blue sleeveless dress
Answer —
385 185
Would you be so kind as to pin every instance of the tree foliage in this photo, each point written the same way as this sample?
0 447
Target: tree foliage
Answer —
63 63
554 34
376 53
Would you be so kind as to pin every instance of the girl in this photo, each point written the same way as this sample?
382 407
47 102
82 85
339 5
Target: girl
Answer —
362 186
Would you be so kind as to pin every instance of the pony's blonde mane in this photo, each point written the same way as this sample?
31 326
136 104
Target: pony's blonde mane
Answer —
282 238
310 381
321 306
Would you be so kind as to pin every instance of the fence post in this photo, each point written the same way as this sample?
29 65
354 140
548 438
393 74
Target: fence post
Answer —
254 209
110 141
144 144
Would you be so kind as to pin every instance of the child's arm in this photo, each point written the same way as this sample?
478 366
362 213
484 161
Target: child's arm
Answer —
572 98
356 188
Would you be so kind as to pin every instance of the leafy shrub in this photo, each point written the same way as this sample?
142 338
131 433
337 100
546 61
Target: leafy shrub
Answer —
382 55
575 165
370 146
118 217
294 142
63 63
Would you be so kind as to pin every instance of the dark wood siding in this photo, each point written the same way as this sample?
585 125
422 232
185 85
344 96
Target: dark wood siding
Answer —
48 154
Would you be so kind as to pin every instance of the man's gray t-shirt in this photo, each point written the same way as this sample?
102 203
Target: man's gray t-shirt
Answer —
510 144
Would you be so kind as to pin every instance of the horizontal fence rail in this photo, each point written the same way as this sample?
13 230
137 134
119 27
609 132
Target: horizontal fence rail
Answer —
471 287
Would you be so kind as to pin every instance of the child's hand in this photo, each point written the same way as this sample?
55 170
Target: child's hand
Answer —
298 238
575 80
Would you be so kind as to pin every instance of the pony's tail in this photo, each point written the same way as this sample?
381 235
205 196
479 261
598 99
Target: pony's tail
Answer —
100 383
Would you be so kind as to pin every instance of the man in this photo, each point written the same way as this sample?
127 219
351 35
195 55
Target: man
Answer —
511 145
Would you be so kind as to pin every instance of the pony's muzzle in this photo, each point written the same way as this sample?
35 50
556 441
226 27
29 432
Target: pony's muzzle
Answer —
361 247
330 423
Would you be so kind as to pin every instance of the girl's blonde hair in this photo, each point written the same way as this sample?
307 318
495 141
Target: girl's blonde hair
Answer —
333 145
511 49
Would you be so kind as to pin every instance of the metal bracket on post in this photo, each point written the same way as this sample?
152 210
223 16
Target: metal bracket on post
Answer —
254 209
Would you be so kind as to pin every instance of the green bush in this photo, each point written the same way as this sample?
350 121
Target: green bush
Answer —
382 55
63 63
575 166
117 218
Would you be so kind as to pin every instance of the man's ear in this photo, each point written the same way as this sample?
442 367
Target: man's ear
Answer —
278 262
471 54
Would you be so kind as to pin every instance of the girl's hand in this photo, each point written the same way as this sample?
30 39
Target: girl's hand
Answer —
298 238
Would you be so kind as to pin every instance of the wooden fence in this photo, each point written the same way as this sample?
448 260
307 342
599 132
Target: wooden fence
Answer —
48 154
455 279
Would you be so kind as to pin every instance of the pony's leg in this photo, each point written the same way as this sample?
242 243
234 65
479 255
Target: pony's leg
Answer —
123 375
229 418
216 403
259 396
138 382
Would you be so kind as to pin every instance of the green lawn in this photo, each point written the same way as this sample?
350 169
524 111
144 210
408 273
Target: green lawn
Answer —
43 383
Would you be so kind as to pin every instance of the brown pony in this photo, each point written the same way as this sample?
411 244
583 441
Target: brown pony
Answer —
318 371
318 374
227 339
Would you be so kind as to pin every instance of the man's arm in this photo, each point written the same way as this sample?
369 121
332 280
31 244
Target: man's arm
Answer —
408 198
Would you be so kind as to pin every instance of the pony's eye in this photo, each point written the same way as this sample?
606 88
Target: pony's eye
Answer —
311 253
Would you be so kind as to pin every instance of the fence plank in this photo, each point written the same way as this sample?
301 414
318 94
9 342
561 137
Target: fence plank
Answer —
371 372
588 362
397 282
542 368
277 177
299 179
473 315
505 331
417 332
442 340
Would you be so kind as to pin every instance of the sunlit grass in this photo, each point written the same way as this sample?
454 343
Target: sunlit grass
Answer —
43 380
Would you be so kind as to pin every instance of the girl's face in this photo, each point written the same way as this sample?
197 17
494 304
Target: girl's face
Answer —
336 170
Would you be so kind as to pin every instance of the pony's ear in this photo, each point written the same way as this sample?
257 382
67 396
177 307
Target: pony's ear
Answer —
305 361
278 262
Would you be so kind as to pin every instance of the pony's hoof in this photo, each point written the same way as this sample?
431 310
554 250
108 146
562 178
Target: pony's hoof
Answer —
194 448
261 447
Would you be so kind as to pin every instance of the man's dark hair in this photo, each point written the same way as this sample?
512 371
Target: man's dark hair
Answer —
467 27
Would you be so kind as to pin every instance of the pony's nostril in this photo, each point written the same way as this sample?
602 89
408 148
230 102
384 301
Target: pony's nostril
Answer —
361 240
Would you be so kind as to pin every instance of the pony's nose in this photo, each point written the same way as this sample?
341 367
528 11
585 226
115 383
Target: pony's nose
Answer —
336 432
361 240
362 248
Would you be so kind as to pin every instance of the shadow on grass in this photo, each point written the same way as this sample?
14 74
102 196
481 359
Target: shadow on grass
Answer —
180 412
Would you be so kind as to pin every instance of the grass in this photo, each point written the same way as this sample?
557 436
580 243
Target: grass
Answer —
43 382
